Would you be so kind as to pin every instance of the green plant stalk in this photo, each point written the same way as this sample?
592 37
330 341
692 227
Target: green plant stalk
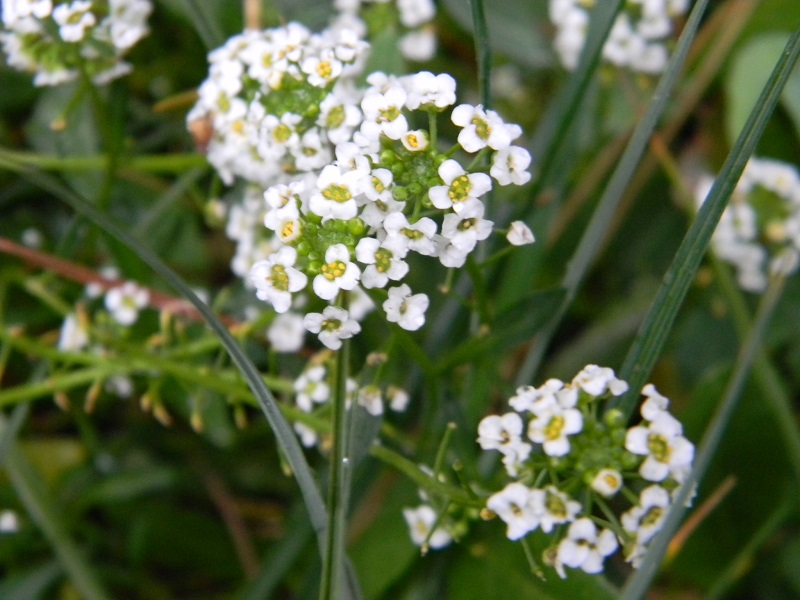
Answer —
42 510
727 579
639 582
657 324
422 479
333 559
284 435
595 232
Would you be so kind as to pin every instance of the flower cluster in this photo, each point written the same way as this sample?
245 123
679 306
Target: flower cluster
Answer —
275 100
59 40
388 194
412 17
313 394
566 458
759 232
638 38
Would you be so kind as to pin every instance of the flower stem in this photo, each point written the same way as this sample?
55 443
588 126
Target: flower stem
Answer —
333 560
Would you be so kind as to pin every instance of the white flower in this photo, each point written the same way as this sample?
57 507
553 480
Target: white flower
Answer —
74 19
552 425
483 128
529 398
125 302
420 522
74 333
333 326
384 260
308 437
405 309
286 332
655 403
607 482
336 194
338 273
515 505
310 388
645 519
667 452
519 234
497 432
459 188
370 398
509 166
9 522
555 507
584 548
398 398
596 380
466 228
414 13
322 70
383 113
275 278
429 91
415 141
420 235
418 45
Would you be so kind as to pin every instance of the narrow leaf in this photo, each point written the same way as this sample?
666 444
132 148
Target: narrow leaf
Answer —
657 324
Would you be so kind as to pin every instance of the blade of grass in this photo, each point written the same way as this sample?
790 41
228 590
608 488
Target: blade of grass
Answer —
287 441
658 323
551 133
638 584
597 229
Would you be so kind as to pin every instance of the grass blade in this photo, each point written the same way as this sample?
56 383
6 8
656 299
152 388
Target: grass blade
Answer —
483 51
613 193
549 137
658 322
639 582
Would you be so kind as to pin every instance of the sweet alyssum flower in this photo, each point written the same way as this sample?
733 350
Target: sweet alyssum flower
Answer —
333 325
638 39
568 437
759 231
59 40
124 302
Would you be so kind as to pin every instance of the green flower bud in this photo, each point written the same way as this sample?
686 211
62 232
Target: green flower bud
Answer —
356 226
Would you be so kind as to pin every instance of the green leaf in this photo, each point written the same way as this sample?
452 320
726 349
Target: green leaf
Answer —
33 584
749 70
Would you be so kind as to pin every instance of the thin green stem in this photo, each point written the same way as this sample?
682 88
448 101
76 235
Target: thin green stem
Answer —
154 163
333 559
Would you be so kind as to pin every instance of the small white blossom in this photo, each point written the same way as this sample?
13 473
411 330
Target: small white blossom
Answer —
333 325
371 399
420 521
666 451
519 234
275 278
552 425
555 508
311 388
286 332
125 302
483 128
384 260
338 273
459 187
9 522
515 505
74 333
406 309
584 548
509 165
398 398
607 482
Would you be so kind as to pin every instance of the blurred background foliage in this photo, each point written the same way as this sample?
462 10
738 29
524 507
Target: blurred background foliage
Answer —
168 512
